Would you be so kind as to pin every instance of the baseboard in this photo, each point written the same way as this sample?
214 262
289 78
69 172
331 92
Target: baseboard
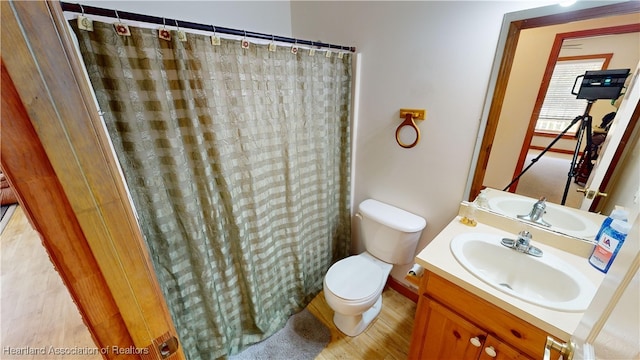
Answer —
552 150
402 289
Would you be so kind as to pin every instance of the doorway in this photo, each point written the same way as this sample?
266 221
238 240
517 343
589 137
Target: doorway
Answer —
37 309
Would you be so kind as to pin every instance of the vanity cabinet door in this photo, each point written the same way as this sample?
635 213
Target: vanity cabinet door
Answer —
444 334
494 349
517 333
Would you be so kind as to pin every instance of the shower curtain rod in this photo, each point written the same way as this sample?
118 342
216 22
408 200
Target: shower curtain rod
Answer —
86 9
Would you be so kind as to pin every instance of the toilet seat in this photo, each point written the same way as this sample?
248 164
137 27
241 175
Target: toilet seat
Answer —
354 278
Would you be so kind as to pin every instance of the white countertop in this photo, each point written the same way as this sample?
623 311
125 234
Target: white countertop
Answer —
438 258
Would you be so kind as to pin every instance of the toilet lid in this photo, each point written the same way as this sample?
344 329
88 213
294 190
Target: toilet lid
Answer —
353 278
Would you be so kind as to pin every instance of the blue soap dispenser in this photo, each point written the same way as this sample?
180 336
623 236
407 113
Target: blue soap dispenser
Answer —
617 213
609 244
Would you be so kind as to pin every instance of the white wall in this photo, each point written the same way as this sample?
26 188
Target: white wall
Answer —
435 55
627 186
270 17
620 336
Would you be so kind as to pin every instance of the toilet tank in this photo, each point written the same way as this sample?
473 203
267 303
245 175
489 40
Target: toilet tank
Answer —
389 233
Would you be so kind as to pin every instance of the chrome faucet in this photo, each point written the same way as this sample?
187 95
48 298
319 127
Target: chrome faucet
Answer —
538 210
522 244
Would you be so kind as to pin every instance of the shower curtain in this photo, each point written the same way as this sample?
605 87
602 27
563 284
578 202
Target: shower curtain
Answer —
238 165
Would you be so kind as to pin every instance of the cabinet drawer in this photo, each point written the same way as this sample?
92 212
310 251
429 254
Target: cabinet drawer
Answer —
505 326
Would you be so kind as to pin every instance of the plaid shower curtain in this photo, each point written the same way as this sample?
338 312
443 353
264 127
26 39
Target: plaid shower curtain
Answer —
238 164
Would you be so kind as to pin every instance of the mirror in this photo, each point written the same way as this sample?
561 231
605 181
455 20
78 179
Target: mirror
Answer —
561 219
497 100
548 176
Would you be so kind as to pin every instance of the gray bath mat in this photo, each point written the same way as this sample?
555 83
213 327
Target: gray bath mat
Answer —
303 337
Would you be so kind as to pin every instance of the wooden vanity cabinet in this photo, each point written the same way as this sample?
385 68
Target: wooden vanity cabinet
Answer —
446 335
452 323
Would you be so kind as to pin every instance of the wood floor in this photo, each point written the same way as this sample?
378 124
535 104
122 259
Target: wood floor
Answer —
37 310
387 337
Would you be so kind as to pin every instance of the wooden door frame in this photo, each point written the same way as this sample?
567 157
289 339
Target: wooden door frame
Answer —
504 71
41 197
57 157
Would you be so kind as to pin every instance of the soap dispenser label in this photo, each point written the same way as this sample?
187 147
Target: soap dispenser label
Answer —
604 251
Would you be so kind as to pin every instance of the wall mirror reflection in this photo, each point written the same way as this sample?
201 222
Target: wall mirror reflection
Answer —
519 127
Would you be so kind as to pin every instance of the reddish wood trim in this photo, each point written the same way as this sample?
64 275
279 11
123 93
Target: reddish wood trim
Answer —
559 151
583 14
605 65
41 196
402 289
611 30
553 135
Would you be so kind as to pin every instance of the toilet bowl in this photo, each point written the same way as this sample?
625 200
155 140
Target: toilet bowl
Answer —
353 286
353 289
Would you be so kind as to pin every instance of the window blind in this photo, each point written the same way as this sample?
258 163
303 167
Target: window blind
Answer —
560 106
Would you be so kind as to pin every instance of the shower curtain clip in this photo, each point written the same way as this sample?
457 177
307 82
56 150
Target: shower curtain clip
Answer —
272 44
409 116
294 48
84 23
328 53
163 33
215 40
244 43
312 51
182 36
121 28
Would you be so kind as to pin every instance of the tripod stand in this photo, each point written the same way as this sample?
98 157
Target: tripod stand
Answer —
585 127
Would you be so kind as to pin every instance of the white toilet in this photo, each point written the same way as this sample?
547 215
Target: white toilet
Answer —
353 286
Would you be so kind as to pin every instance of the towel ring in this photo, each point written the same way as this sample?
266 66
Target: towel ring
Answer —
408 121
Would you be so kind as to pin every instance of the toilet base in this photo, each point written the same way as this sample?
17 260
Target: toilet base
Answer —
355 325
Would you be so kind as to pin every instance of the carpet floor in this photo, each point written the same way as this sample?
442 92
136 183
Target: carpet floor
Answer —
548 178
303 337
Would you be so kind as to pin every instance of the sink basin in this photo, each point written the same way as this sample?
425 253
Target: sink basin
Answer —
546 281
561 219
